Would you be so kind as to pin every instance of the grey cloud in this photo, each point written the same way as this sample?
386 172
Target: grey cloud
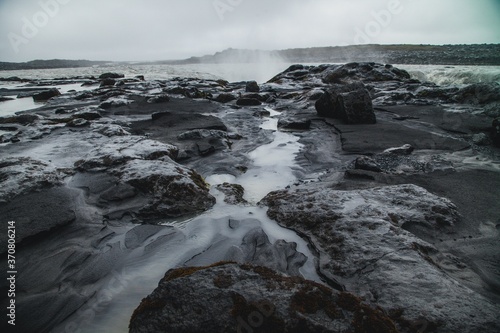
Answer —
156 29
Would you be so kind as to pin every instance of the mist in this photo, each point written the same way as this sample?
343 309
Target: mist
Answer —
132 30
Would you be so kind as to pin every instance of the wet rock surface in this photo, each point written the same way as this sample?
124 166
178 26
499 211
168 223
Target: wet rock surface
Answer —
401 211
363 247
248 298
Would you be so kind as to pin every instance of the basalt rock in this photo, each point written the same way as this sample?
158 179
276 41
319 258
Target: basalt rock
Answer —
252 86
248 102
233 193
294 123
109 82
479 93
46 95
351 103
496 132
111 76
159 99
23 119
367 163
364 247
166 187
251 298
369 72
225 98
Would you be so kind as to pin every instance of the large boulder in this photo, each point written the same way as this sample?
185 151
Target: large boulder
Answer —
224 98
46 95
145 169
351 103
252 86
111 76
364 247
251 299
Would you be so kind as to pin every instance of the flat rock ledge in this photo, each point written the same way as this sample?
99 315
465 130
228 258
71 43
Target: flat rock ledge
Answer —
364 247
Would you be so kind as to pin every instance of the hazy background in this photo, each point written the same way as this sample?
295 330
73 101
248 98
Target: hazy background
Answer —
173 29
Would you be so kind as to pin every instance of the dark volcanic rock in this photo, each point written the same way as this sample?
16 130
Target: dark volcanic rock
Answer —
479 93
168 189
248 102
87 115
108 82
23 119
225 98
38 212
251 298
367 163
363 246
46 95
294 123
159 99
78 122
111 76
351 103
496 132
31 194
370 72
252 86
233 193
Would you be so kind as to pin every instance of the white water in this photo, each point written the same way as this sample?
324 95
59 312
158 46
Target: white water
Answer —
261 72
272 164
453 75
233 72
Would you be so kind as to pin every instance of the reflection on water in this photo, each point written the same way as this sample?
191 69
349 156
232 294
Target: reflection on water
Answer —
27 103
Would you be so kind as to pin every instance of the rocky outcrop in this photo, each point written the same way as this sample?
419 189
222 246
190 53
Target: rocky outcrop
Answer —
233 193
351 103
480 93
251 298
169 188
224 98
252 86
32 194
363 247
363 72
248 102
111 76
46 95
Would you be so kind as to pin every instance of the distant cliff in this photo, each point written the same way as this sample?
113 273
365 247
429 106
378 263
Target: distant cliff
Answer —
484 54
48 64
479 54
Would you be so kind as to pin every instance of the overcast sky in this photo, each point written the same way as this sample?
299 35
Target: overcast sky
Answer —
176 29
